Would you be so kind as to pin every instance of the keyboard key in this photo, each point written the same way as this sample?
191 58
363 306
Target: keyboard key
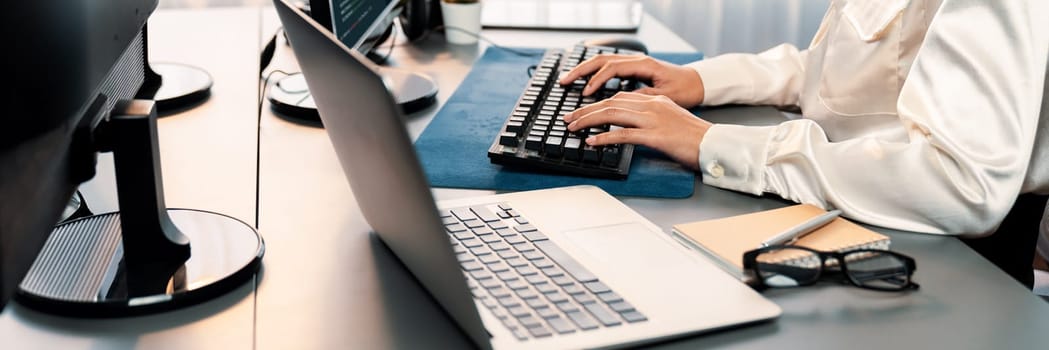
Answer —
516 284
596 287
508 254
633 316
508 301
506 276
561 325
508 138
573 288
547 312
610 156
539 331
482 231
566 261
584 298
497 225
500 292
572 150
525 228
528 251
520 333
545 287
517 261
492 304
552 272
553 147
515 239
499 267
484 214
505 232
535 279
604 316
562 280
534 142
556 296
581 319
489 259
456 227
472 265
474 223
535 303
530 321
472 242
518 311
526 293
525 270
534 235
621 306
530 254
567 306
543 263
609 297
463 214
463 234
489 283
480 274
482 250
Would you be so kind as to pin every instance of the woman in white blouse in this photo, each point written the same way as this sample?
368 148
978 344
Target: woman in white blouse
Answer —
921 115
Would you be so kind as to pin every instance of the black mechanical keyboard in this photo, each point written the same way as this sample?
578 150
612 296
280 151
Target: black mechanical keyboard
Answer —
535 135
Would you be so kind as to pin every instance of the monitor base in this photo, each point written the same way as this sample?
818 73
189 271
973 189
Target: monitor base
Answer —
80 272
181 86
413 92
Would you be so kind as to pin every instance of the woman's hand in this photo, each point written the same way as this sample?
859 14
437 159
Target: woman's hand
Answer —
683 85
653 121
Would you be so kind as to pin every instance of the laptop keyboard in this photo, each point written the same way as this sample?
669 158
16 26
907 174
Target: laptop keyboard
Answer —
533 286
535 134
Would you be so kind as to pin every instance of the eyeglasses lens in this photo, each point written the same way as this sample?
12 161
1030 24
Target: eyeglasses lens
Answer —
877 270
788 267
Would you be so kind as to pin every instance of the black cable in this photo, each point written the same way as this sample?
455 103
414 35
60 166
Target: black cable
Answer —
266 83
393 43
267 51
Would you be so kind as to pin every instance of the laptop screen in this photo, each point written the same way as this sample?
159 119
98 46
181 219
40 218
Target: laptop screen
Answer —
358 24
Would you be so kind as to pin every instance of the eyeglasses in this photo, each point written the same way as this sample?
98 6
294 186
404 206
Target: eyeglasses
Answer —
794 266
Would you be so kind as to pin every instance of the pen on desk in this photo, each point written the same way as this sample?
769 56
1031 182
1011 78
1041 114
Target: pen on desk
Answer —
802 229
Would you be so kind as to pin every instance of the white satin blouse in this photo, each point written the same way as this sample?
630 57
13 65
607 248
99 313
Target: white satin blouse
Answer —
921 115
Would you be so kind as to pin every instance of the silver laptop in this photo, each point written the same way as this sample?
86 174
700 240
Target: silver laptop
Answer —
560 268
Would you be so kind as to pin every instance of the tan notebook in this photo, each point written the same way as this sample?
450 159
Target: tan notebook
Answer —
725 240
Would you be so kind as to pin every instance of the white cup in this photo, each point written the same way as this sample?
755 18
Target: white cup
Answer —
462 22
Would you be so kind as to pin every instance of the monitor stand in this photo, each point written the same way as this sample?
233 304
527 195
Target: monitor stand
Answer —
413 91
146 258
181 86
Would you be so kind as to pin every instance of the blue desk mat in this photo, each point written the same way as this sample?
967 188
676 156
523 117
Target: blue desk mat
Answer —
454 147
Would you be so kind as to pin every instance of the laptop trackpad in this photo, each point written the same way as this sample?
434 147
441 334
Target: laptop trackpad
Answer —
629 247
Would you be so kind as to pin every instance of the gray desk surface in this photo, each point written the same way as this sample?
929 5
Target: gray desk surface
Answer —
327 282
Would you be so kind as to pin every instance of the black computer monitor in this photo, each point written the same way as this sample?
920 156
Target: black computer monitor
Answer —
360 25
60 59
81 85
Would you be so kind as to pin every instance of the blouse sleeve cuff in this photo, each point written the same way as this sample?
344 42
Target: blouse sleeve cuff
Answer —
734 157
